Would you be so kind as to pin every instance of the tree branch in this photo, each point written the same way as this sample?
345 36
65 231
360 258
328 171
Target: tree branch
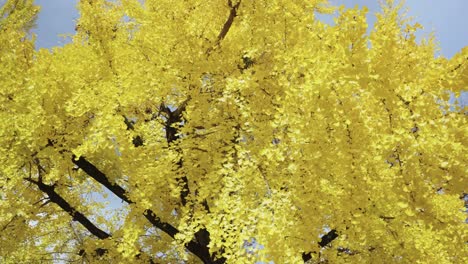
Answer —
100 177
9 222
173 118
62 203
76 215
120 192
326 239
137 140
202 236
227 25
196 248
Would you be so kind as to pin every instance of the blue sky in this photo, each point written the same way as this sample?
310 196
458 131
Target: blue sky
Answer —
446 18
57 17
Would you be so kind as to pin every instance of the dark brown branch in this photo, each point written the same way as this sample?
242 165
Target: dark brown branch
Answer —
54 197
120 192
326 239
137 140
177 114
459 65
229 21
227 25
173 119
9 222
196 248
76 215
100 177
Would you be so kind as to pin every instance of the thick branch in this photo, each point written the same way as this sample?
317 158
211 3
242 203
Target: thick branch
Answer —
76 215
197 249
173 118
100 177
156 221
120 192
227 25
326 239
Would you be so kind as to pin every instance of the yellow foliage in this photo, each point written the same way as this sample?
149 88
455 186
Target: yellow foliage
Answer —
232 132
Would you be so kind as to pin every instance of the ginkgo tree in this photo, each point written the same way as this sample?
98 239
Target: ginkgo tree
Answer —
233 131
